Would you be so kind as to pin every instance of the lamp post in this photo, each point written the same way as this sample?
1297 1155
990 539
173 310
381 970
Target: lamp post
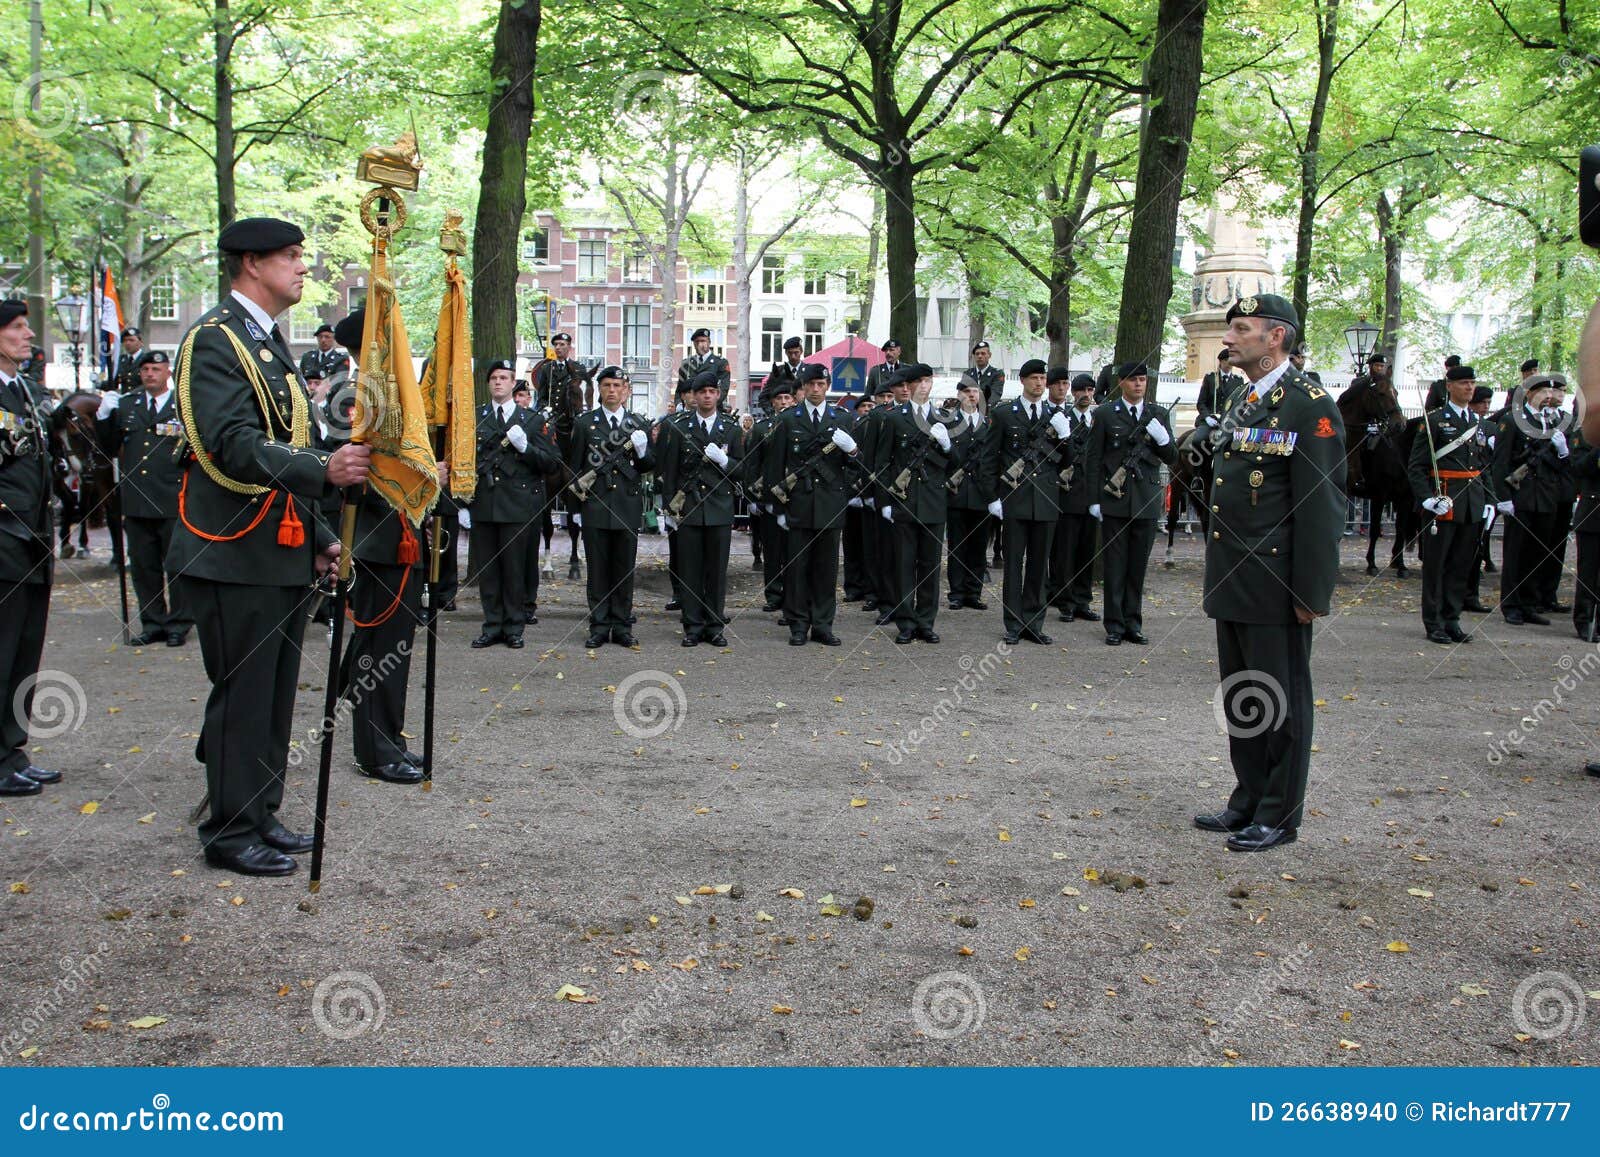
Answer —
543 321
1360 339
69 312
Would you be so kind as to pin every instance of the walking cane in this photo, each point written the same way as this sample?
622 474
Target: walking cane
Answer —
330 700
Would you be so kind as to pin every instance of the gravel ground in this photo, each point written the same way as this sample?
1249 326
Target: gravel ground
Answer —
1037 892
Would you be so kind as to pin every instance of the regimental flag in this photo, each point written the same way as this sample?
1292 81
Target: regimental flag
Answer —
447 394
389 415
110 324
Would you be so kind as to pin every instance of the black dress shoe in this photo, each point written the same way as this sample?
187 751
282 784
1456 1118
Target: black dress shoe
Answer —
256 860
412 758
1087 615
15 783
1515 619
1476 606
905 635
1068 615
976 604
1557 608
595 639
673 605
624 639
1039 637
955 604
1135 638
927 634
1259 837
178 639
1535 618
690 641
287 842
884 619
40 775
797 638
145 638
1457 635
1113 640
870 605
1226 820
1438 636
826 638
1012 640
450 606
530 619
484 640
1592 769
398 772
717 640
770 607
515 642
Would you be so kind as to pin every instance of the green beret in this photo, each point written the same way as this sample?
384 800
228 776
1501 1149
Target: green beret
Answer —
259 235
1271 306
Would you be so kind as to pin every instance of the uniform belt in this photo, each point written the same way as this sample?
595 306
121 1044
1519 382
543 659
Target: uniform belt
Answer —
1457 475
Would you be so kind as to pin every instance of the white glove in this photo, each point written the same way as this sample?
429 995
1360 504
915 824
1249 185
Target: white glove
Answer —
1094 512
1437 505
844 441
1212 421
668 523
641 442
783 522
1058 423
108 404
888 513
996 509
464 517
1558 439
940 435
1488 513
518 438
718 455
1158 433
577 520
1491 441
870 503
856 502
1506 508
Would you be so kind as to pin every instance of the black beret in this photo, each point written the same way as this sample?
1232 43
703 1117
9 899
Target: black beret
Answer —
1032 366
1132 370
314 374
1377 358
780 387
322 329
1060 374
1459 373
982 345
891 344
522 387
154 358
1482 394
501 364
610 372
1223 354
1272 306
792 343
916 371
131 331
1452 360
706 378
683 387
700 333
1530 365
856 401
1082 382
566 337
348 332
810 372
11 309
1546 382
259 235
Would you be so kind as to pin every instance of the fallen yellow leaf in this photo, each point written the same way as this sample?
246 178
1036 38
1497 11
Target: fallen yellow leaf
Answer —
1023 954
792 893
148 819
147 1021
1421 893
20 888
781 1010
571 992
1398 946
963 951
858 801
89 808
1348 1045
763 918
1026 904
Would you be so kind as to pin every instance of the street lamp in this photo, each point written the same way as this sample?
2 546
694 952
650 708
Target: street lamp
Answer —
1359 339
544 312
69 311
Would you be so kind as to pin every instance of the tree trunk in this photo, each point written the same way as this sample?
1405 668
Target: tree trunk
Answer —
1063 266
674 212
978 294
37 281
869 283
1310 179
502 186
1173 73
223 33
1389 233
740 361
1559 310
900 233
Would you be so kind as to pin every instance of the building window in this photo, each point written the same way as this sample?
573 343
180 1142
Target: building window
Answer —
812 337
636 335
164 297
947 316
592 260
771 274
591 335
708 293
636 266
922 315
772 338
536 246
852 282
303 325
816 283
355 298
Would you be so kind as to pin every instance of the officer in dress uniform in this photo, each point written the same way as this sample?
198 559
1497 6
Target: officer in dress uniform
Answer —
1129 441
1024 453
915 450
887 370
782 373
523 396
774 538
1554 562
133 354
1070 587
327 359
27 554
700 455
701 359
967 515
1448 460
1530 481
891 390
1272 559
1437 391
1215 390
991 379
812 468
858 530
251 539
682 405
514 454
611 454
143 432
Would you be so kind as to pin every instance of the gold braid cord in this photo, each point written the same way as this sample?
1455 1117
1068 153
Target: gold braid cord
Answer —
298 425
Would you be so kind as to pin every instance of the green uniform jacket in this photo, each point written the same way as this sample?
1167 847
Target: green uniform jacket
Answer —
1468 495
511 483
1075 495
904 444
694 364
144 446
1277 518
1585 465
221 414
825 482
616 500
967 470
1115 440
27 550
1214 395
1010 437
1546 483
709 496
752 468
991 381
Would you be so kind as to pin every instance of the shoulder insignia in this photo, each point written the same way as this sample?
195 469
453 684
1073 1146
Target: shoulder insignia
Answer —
254 330
1324 429
1317 392
1277 396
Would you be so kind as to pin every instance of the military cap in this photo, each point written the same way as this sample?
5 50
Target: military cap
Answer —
982 345
1530 365
1301 349
322 329
1452 360
1032 366
854 401
1059 374
1271 306
522 387
259 235
700 333
1379 358
610 372
706 379
1546 382
781 387
916 371
1460 374
810 372
312 374
1482 394
348 332
566 337
792 343
1132 370
11 309
891 344
502 364
683 387
131 331
1082 382
154 358
1223 354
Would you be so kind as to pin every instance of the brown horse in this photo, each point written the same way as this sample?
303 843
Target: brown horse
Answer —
1377 449
83 476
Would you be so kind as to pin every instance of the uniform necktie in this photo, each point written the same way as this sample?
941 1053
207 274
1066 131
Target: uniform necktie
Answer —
614 422
816 419
277 335
1033 411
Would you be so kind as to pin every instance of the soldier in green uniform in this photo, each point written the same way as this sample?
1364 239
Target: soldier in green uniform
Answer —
682 406
1482 396
915 448
127 379
514 455
1530 482
858 528
811 470
892 391
1272 558
887 370
1129 441
523 396
701 359
1448 460
967 515
990 379
327 359
700 456
1215 390
774 538
142 431
1024 452
1070 587
251 540
27 556
611 454
782 373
